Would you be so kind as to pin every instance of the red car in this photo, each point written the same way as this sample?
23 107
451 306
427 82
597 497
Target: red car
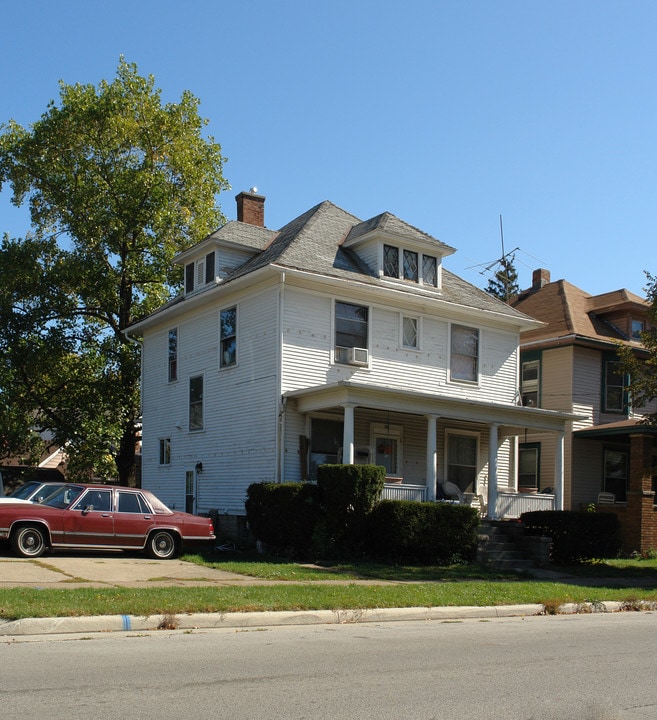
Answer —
100 517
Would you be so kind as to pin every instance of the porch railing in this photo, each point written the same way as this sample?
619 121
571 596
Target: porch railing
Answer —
397 491
512 505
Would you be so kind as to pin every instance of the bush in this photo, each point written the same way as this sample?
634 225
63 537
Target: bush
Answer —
576 536
347 495
431 533
283 515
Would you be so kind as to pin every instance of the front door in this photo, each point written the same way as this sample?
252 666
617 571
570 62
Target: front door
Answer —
190 490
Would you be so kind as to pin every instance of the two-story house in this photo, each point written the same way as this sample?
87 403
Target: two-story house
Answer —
571 364
332 340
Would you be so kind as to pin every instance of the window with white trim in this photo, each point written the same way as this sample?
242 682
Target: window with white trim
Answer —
199 273
387 443
228 337
165 451
391 261
173 355
411 270
464 353
351 332
615 382
429 270
196 403
529 382
410 332
529 455
462 451
414 267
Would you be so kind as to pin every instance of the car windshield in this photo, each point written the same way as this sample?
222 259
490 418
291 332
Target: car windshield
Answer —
23 491
64 496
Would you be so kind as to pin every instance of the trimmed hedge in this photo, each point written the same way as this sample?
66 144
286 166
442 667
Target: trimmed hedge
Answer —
576 536
283 515
347 494
429 533
343 516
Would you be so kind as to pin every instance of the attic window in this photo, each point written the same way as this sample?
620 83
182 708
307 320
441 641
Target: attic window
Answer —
414 267
638 326
199 273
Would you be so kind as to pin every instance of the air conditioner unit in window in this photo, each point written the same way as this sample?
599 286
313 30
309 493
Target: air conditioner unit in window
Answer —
351 356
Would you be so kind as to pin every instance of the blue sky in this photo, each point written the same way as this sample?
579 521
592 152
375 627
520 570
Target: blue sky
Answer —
446 114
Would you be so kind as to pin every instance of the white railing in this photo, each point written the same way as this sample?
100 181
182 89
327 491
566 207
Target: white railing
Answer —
399 491
513 505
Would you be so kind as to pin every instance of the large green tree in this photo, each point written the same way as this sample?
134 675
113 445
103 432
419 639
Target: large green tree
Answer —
117 183
641 367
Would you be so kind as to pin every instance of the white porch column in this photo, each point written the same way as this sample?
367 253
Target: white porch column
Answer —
348 435
559 472
492 472
432 458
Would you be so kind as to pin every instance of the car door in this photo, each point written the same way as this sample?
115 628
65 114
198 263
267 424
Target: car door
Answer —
133 519
89 522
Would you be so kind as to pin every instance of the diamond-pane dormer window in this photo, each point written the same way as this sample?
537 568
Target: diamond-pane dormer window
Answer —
391 261
410 266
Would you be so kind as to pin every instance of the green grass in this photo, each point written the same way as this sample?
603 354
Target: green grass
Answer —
299 587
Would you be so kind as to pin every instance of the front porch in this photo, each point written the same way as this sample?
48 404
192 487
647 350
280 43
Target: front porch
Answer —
373 425
510 505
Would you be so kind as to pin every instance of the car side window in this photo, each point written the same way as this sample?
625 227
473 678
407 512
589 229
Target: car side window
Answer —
131 503
99 500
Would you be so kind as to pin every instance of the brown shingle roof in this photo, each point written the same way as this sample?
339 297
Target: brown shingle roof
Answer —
570 311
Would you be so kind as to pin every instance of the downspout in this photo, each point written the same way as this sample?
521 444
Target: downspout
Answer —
280 401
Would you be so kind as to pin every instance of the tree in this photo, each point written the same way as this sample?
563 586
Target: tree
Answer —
504 283
117 183
642 367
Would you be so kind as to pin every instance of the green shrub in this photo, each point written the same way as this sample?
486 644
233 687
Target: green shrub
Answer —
576 536
283 515
431 533
347 495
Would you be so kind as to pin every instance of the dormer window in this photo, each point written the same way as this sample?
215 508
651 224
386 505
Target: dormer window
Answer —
415 267
638 326
199 273
410 266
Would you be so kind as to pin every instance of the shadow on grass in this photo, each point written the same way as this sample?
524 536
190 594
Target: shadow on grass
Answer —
617 572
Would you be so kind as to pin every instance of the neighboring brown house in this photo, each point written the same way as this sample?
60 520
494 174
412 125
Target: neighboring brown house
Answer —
571 365
50 468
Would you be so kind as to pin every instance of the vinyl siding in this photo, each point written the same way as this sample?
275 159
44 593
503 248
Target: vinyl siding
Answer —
238 443
308 340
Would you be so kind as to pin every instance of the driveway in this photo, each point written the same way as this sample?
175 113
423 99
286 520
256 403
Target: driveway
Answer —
107 569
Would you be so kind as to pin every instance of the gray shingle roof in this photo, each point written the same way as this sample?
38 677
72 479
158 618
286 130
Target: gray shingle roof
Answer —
313 243
388 223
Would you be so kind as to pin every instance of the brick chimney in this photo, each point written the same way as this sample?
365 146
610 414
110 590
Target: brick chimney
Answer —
540 278
251 207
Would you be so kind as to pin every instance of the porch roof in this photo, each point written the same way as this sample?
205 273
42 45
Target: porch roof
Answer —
511 419
623 428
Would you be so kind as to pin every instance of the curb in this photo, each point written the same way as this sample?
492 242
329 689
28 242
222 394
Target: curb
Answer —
133 623
199 621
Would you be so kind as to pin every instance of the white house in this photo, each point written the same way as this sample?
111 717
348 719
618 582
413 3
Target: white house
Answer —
333 340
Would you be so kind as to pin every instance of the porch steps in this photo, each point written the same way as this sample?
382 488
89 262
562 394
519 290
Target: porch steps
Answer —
501 544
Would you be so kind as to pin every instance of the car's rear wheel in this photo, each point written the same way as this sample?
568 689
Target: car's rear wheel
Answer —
29 541
162 545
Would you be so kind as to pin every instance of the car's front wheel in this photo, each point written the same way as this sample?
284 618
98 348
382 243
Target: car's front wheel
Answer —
162 545
29 541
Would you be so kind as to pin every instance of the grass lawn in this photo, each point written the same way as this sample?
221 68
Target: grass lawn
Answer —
300 587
